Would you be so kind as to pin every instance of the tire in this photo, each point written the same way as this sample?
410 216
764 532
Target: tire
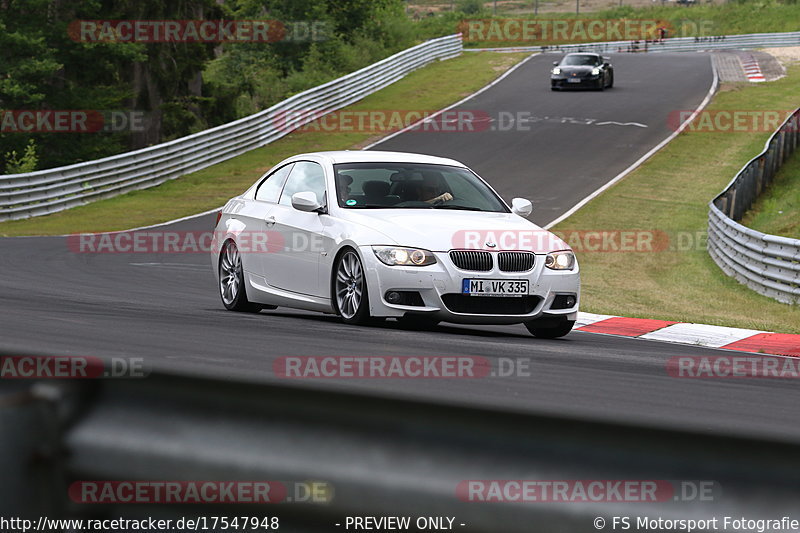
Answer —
350 295
549 328
611 82
601 85
417 322
231 281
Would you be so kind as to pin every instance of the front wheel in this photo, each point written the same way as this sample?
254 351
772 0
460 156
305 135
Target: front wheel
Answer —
611 81
231 281
350 289
550 327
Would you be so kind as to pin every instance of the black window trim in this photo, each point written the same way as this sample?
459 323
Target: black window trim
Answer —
324 180
268 176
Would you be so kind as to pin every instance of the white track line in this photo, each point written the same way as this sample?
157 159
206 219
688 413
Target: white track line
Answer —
701 334
204 213
645 157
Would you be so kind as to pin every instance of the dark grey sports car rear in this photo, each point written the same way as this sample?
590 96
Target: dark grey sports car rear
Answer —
582 70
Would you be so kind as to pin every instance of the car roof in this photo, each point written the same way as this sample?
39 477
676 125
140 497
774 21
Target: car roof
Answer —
583 54
370 156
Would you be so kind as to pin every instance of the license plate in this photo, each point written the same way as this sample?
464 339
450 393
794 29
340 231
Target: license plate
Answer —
573 80
495 287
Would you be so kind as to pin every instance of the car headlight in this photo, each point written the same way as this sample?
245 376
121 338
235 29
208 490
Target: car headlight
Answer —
556 70
563 260
595 71
394 255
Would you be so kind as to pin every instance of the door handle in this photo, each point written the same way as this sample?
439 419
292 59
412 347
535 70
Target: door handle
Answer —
270 221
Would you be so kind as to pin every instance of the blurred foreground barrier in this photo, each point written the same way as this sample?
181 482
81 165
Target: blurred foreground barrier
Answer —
373 456
768 264
49 191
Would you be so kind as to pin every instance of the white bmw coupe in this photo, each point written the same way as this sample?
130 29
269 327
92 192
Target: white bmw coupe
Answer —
373 235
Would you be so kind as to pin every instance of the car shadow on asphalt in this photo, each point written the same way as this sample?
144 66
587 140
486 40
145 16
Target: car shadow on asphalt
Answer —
389 324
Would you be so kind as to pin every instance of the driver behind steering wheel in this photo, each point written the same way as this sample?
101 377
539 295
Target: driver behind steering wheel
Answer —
432 190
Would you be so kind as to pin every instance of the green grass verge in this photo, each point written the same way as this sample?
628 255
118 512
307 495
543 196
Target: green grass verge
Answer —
670 193
777 211
428 89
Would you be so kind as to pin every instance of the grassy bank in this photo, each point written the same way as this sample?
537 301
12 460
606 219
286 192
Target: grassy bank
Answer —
777 211
670 194
428 89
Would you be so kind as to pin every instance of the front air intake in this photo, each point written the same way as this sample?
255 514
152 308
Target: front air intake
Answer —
474 261
516 261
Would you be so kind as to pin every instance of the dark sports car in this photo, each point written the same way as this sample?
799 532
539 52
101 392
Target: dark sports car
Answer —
582 70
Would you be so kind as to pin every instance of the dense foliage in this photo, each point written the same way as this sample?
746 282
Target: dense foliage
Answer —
177 88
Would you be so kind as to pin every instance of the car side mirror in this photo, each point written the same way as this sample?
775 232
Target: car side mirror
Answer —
555 63
521 207
306 201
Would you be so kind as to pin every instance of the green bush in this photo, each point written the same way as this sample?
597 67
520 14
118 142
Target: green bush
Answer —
469 7
24 163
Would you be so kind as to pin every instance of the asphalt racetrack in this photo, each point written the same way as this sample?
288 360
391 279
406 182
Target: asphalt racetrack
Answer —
557 147
165 307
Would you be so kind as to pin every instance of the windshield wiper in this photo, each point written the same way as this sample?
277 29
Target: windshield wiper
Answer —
458 207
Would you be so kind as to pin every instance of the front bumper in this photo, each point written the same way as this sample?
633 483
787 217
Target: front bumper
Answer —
439 287
561 82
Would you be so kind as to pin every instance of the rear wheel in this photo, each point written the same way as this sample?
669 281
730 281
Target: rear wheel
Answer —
231 281
350 289
550 327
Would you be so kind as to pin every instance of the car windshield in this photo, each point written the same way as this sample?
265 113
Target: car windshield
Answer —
580 60
413 186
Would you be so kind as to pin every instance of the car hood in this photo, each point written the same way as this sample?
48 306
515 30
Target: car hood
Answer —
580 70
442 230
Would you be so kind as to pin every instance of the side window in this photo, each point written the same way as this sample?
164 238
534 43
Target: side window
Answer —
305 176
270 188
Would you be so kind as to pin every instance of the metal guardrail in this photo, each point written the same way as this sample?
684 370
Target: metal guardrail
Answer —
380 456
677 44
48 191
768 264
